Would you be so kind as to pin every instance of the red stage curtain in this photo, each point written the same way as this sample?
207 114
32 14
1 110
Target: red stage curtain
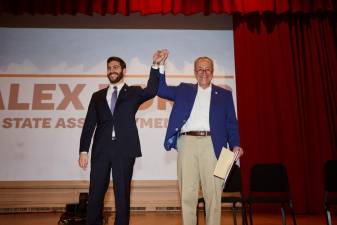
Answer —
286 77
145 7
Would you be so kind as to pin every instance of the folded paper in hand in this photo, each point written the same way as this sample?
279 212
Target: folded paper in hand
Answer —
225 163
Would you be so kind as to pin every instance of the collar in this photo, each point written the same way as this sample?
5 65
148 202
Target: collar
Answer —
208 89
119 86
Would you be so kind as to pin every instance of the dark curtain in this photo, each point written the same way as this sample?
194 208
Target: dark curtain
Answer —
286 71
145 7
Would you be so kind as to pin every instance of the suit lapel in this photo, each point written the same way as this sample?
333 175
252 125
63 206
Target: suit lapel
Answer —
216 101
103 99
122 95
214 96
120 98
195 91
191 98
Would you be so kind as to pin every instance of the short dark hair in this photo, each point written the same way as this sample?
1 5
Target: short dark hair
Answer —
115 58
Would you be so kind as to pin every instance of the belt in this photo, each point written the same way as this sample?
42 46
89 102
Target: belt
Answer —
197 133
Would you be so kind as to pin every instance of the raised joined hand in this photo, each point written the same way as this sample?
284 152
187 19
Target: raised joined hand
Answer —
160 56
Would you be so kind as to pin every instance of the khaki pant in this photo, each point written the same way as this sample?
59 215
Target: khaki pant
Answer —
195 165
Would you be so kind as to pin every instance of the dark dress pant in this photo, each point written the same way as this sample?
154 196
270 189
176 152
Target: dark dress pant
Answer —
121 169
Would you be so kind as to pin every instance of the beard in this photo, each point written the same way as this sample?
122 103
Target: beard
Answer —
115 79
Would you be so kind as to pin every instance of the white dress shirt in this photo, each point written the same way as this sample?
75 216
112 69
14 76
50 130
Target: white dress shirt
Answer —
109 96
111 89
199 117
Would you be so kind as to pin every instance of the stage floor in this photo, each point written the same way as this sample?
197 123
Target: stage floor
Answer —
160 218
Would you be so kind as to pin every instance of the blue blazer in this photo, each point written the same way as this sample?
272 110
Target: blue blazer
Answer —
222 118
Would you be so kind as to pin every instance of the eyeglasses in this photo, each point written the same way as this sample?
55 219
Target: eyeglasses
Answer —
201 71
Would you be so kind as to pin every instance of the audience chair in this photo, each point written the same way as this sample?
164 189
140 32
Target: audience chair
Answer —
269 185
330 188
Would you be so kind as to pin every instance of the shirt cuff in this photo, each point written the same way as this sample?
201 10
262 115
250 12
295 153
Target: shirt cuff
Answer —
84 152
155 66
162 69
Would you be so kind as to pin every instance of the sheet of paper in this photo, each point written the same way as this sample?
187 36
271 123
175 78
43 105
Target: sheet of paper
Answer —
225 163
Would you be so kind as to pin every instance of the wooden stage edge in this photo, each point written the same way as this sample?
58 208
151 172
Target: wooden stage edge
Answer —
151 201
52 196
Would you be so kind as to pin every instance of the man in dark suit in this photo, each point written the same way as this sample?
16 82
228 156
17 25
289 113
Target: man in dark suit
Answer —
202 121
111 114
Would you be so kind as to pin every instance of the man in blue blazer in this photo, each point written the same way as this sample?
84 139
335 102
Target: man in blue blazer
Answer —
110 120
202 121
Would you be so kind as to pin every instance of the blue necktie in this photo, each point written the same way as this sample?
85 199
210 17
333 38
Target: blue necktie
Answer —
113 100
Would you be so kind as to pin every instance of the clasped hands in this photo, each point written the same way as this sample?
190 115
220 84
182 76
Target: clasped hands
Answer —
160 56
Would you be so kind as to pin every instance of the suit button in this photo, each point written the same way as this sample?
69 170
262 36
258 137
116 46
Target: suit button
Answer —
176 129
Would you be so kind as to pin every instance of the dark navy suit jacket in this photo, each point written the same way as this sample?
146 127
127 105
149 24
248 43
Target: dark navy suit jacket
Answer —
100 120
222 118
